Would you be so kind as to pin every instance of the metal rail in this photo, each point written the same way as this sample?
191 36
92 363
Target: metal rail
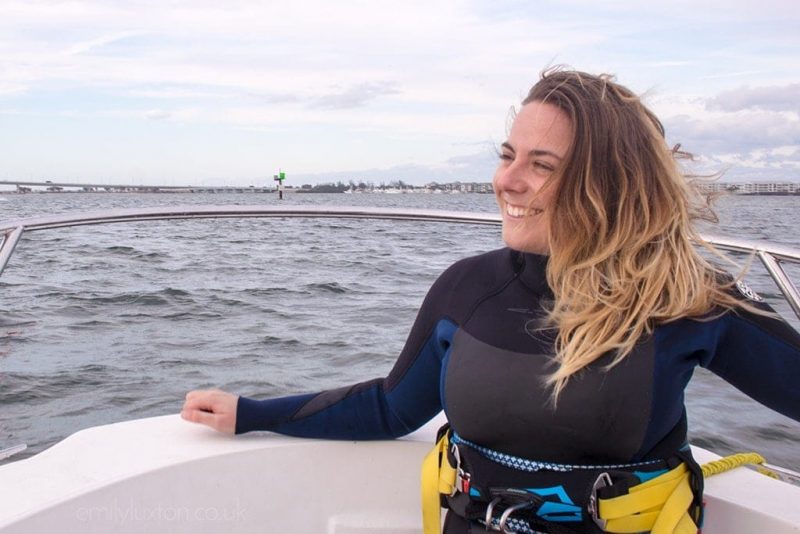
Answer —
11 231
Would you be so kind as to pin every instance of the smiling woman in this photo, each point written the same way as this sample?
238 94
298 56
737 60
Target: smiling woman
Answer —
561 360
620 225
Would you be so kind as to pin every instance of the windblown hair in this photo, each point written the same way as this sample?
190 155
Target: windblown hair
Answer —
621 234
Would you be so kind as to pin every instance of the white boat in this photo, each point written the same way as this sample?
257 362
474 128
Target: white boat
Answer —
162 474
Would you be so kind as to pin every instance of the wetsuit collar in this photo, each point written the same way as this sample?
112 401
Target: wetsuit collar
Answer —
531 270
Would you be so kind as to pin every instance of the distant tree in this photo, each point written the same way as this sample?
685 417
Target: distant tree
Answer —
338 187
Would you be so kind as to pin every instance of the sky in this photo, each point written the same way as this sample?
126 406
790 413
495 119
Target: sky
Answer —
226 93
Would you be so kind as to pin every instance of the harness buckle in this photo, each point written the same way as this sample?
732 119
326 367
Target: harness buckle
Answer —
593 506
463 478
462 482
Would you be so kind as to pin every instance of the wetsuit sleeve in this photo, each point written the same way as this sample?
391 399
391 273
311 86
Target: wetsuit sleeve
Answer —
760 356
377 409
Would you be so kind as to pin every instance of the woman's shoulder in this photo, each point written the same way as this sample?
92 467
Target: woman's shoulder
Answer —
743 310
493 265
470 278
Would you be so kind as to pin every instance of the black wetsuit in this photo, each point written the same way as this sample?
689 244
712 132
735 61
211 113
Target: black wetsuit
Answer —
477 350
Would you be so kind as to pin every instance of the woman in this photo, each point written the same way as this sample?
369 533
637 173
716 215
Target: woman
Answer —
572 346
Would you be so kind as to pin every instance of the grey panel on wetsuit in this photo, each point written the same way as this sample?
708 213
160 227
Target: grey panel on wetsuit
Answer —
326 399
496 398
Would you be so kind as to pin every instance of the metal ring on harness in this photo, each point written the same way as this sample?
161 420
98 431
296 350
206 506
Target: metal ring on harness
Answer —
489 510
507 514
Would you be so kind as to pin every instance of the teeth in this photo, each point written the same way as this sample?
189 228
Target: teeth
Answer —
519 211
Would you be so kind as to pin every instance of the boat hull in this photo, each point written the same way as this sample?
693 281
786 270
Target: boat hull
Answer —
165 475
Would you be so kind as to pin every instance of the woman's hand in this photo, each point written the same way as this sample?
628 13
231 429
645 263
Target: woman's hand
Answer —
213 408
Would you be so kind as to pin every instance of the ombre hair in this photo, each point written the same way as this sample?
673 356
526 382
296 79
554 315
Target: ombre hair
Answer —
622 258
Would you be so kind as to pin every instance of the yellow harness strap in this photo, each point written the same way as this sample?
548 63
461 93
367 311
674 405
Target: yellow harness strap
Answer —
438 477
659 505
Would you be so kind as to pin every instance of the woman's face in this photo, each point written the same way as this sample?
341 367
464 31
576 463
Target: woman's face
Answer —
539 140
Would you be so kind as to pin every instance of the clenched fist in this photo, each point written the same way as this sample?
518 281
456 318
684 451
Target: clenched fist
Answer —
213 408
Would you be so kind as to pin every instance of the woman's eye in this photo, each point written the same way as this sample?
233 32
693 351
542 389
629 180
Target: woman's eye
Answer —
543 167
506 157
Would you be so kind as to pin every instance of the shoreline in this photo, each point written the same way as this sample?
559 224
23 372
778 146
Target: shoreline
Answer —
309 192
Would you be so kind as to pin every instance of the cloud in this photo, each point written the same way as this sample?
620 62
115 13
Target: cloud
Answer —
781 163
355 96
734 74
776 158
749 134
85 46
255 47
474 167
157 115
743 131
669 63
276 98
375 87
11 89
774 98
177 93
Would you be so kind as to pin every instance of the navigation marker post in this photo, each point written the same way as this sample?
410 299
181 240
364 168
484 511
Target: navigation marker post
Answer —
280 177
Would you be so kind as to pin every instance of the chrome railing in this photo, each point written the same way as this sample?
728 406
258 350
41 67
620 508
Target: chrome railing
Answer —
770 255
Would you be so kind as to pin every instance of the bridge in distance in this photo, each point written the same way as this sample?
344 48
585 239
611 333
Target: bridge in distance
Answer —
51 186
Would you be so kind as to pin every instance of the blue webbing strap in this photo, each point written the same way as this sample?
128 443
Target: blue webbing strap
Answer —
531 466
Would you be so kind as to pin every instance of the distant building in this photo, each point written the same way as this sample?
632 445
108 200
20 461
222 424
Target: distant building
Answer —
752 188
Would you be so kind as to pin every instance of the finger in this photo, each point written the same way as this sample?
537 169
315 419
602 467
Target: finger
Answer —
196 403
198 393
209 401
201 417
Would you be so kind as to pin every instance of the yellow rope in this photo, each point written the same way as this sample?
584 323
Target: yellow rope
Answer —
737 460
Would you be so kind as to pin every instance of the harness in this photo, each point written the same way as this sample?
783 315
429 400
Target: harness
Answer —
510 494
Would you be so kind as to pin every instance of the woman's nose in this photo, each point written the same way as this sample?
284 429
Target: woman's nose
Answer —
511 178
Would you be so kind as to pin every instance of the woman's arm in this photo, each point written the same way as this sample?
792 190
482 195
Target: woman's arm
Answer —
760 355
376 409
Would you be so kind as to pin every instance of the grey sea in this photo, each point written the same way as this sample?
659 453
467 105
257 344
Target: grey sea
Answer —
108 323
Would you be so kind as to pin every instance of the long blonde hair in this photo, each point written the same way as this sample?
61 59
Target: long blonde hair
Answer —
622 258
